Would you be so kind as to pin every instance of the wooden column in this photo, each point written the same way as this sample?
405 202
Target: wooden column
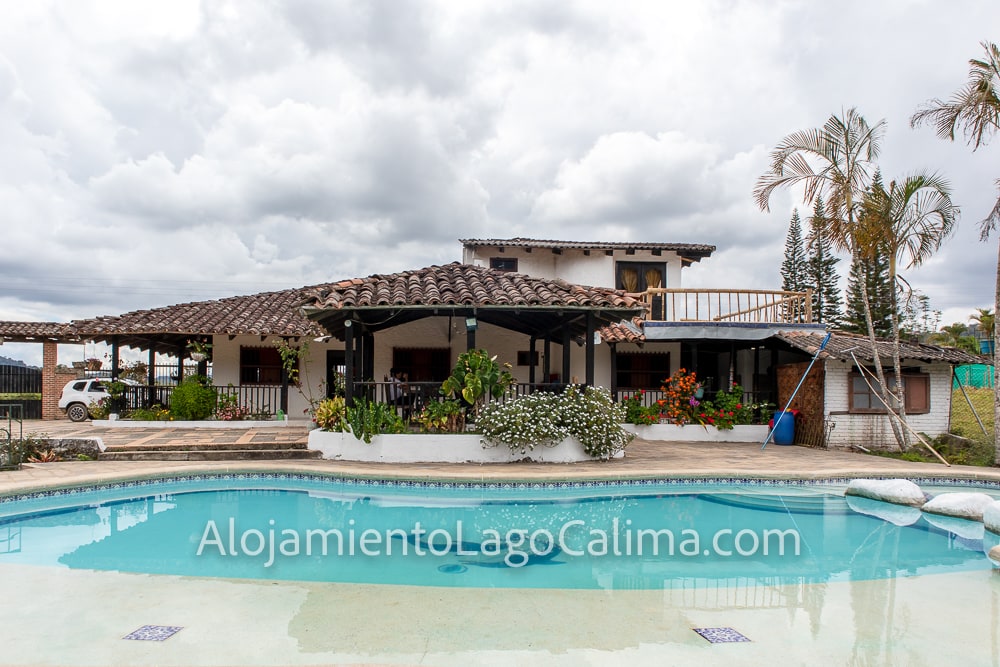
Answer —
565 354
349 363
531 360
614 371
589 347
115 358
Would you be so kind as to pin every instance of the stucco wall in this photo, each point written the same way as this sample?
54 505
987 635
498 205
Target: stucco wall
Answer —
873 431
312 372
596 269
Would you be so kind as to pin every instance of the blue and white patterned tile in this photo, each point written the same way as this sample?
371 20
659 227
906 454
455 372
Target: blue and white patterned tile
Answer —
154 633
721 635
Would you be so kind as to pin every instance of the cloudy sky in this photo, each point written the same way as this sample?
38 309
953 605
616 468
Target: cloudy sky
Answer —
160 152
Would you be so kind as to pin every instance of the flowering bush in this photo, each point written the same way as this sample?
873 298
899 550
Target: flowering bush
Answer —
228 408
545 419
637 413
679 404
728 409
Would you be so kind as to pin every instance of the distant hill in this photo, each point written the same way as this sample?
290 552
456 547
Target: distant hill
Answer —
6 361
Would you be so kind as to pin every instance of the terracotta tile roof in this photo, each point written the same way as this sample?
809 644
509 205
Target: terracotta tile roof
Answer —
459 284
694 251
268 313
22 331
842 344
623 332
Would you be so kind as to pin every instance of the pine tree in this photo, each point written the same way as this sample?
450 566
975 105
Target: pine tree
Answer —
793 267
875 274
821 270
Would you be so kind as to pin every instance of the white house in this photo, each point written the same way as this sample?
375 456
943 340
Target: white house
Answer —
609 314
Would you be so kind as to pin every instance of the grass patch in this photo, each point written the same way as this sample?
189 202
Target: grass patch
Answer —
20 397
963 421
955 450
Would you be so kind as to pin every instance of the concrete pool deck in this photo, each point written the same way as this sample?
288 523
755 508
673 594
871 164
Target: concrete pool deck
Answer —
643 459
62 616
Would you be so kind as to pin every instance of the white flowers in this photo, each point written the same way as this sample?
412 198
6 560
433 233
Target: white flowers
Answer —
545 419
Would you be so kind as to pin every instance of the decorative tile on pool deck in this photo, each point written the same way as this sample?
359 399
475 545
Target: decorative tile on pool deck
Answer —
644 459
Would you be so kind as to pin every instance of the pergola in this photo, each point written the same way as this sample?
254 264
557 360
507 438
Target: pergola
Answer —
542 309
355 310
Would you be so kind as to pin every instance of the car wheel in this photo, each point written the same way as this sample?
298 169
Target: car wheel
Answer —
77 412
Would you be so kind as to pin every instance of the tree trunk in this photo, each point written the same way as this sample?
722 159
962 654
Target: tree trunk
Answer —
883 388
897 364
996 363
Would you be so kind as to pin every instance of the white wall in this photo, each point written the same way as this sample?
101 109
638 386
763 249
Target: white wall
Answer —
873 431
571 265
312 372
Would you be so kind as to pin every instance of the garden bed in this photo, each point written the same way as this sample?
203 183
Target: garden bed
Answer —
437 448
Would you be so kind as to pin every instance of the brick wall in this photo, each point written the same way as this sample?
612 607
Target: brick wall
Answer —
53 381
809 401
873 431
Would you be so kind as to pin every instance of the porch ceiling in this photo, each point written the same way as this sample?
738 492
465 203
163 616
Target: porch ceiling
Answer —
531 321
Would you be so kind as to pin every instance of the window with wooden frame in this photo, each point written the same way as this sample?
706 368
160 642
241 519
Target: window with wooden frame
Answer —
916 392
642 370
527 358
260 365
640 276
504 264
423 364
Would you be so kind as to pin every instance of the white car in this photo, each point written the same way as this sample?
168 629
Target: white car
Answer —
77 396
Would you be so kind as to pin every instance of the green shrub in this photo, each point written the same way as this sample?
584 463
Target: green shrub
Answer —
154 414
368 419
639 414
442 417
477 378
545 419
193 399
331 414
100 409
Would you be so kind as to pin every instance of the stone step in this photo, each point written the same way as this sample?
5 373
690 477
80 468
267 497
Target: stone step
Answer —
207 454
198 446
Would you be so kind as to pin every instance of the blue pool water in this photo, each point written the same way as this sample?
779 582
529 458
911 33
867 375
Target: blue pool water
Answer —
593 536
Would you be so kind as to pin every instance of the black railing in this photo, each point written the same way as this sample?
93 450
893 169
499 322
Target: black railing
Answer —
11 436
762 400
262 401
22 386
411 397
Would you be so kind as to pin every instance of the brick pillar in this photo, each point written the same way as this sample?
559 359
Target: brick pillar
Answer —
53 380
50 390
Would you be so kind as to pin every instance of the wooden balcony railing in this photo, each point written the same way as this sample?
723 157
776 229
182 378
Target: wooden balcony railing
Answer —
725 305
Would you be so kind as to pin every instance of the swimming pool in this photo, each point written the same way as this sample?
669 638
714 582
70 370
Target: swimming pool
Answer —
641 535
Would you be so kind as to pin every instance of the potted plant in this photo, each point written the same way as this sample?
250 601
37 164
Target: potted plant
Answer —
199 350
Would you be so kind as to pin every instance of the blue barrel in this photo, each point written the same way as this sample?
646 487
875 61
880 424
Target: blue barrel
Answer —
784 431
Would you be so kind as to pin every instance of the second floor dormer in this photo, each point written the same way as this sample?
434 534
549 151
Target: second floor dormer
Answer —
633 267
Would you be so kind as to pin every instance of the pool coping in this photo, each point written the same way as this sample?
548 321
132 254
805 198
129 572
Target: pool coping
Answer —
651 460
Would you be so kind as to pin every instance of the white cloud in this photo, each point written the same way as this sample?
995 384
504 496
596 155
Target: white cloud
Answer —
194 149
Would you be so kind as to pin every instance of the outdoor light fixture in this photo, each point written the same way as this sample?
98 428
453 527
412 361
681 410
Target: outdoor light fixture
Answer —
471 324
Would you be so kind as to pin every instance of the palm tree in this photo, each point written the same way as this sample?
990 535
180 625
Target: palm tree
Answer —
975 109
908 222
987 324
836 162
956 335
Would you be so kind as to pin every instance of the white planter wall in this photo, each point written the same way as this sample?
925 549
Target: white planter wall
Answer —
435 448
695 433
